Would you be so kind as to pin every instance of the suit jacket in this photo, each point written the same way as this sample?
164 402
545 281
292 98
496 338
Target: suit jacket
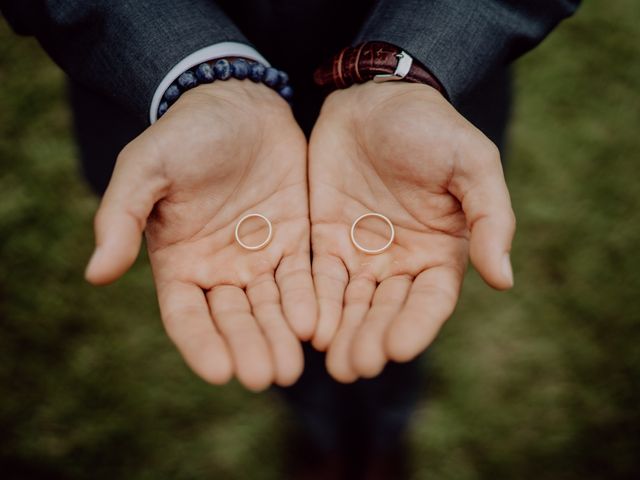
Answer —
122 49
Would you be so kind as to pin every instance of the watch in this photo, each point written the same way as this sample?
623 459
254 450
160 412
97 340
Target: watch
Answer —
377 61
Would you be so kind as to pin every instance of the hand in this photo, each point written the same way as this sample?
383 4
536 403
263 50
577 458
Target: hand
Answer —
222 151
402 150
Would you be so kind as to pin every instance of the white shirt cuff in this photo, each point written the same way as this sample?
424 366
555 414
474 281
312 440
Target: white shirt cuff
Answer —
218 50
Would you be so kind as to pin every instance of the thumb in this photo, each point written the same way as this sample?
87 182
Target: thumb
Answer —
483 193
136 185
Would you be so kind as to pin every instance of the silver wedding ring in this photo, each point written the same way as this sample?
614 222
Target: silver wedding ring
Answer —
370 251
261 245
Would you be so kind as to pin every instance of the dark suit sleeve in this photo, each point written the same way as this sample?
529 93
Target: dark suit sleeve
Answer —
121 48
463 42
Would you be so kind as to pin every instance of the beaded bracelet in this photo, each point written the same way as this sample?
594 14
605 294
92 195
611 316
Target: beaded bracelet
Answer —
224 69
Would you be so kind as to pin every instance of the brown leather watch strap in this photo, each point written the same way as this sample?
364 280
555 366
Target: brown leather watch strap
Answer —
376 61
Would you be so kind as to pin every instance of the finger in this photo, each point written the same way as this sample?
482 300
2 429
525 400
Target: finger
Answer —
330 280
357 301
368 355
251 357
487 206
136 185
298 296
286 350
188 323
430 303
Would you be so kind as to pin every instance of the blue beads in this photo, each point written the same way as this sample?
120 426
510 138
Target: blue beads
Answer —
271 77
256 72
187 80
283 78
162 108
204 73
240 68
222 69
172 93
286 92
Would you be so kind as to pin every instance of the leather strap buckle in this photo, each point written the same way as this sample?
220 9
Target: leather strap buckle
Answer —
405 61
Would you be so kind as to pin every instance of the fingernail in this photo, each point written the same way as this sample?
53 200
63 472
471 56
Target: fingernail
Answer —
507 271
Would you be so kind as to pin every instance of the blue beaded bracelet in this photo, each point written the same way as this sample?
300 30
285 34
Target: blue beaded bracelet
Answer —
224 69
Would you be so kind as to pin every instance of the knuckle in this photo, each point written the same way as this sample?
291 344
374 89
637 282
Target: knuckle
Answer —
127 152
491 150
508 219
99 218
483 150
512 219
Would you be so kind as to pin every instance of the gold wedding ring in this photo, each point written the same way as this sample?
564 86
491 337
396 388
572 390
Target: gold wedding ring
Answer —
261 245
370 251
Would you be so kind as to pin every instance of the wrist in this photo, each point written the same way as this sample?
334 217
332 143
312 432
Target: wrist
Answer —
360 100
234 91
230 101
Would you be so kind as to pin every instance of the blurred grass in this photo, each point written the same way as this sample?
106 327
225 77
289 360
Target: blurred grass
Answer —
539 383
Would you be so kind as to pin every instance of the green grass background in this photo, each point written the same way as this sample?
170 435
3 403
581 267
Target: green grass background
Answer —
538 383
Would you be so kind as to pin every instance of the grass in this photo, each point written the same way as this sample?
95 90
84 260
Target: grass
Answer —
538 383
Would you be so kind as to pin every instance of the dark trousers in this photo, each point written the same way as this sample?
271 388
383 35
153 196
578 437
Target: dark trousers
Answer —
372 413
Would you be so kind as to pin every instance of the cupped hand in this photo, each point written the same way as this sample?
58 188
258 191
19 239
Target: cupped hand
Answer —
222 151
401 150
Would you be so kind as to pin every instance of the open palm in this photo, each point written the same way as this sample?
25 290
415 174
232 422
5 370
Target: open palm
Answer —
400 150
221 152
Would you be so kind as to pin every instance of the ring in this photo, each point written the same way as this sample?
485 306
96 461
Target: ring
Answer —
261 245
370 251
